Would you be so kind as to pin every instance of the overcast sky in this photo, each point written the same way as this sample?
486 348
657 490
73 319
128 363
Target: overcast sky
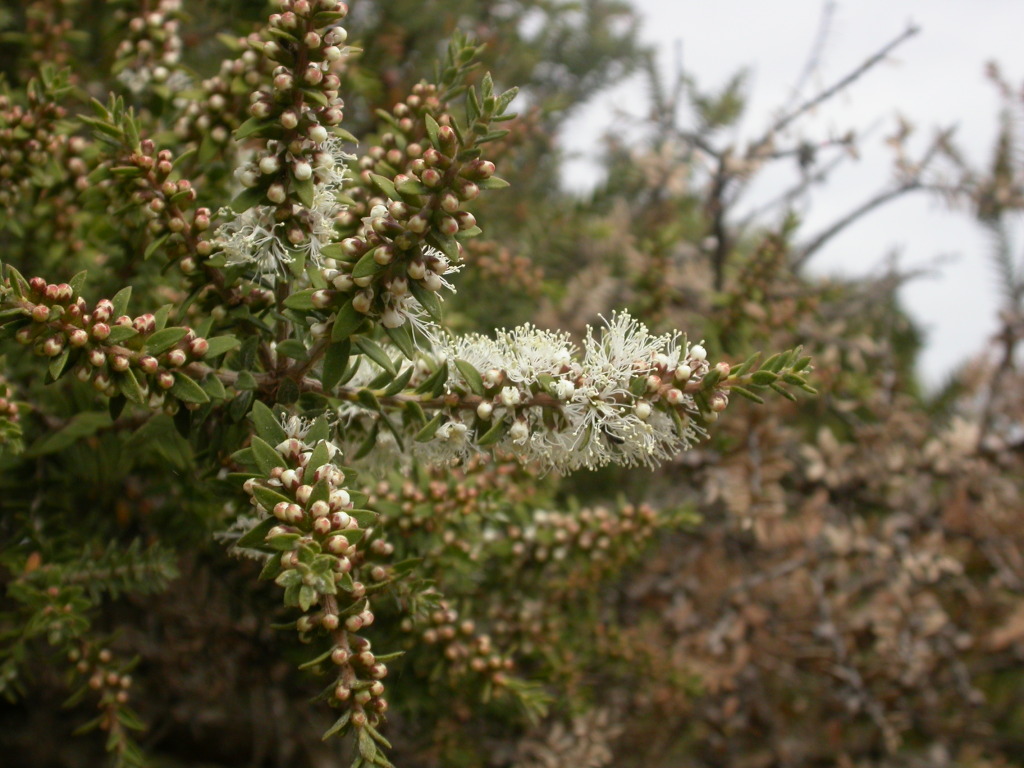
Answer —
935 80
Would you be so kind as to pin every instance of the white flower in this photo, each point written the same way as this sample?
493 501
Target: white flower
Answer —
510 397
252 238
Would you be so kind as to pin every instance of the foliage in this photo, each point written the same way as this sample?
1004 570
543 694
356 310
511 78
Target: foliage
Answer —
254 446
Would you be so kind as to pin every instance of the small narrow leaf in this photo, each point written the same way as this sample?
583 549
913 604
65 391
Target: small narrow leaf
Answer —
302 300
471 375
346 322
428 432
186 389
266 457
163 340
385 185
218 345
402 338
375 352
257 535
267 426
335 361
494 434
120 301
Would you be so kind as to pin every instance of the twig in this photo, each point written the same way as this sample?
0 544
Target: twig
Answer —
828 93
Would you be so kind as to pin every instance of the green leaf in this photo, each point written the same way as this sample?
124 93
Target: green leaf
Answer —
494 434
293 348
320 456
368 400
250 127
402 338
246 199
307 596
472 376
412 187
367 749
746 365
398 384
129 386
763 378
375 352
321 491
186 389
335 361
346 321
784 392
56 366
338 726
218 345
744 392
246 382
119 333
256 537
385 185
304 190
492 183
268 497
214 388
429 300
434 384
367 265
449 246
301 300
773 363
317 659
319 430
154 245
432 128
267 426
78 281
163 340
266 457
283 542
161 315
120 301
428 431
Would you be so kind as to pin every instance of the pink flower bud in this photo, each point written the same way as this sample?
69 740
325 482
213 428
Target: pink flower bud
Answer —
198 347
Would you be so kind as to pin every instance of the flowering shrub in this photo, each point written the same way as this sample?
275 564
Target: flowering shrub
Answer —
221 316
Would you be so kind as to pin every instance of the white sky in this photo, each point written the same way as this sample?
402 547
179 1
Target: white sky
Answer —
936 79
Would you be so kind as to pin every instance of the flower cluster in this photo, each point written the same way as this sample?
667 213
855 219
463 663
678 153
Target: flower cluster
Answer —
628 399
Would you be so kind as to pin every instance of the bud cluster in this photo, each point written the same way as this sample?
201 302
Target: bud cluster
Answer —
10 431
167 203
119 355
48 33
496 264
576 549
150 52
323 551
211 118
28 140
438 514
466 650
109 681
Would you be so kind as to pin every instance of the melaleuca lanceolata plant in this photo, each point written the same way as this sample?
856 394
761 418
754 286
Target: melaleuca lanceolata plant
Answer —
259 356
